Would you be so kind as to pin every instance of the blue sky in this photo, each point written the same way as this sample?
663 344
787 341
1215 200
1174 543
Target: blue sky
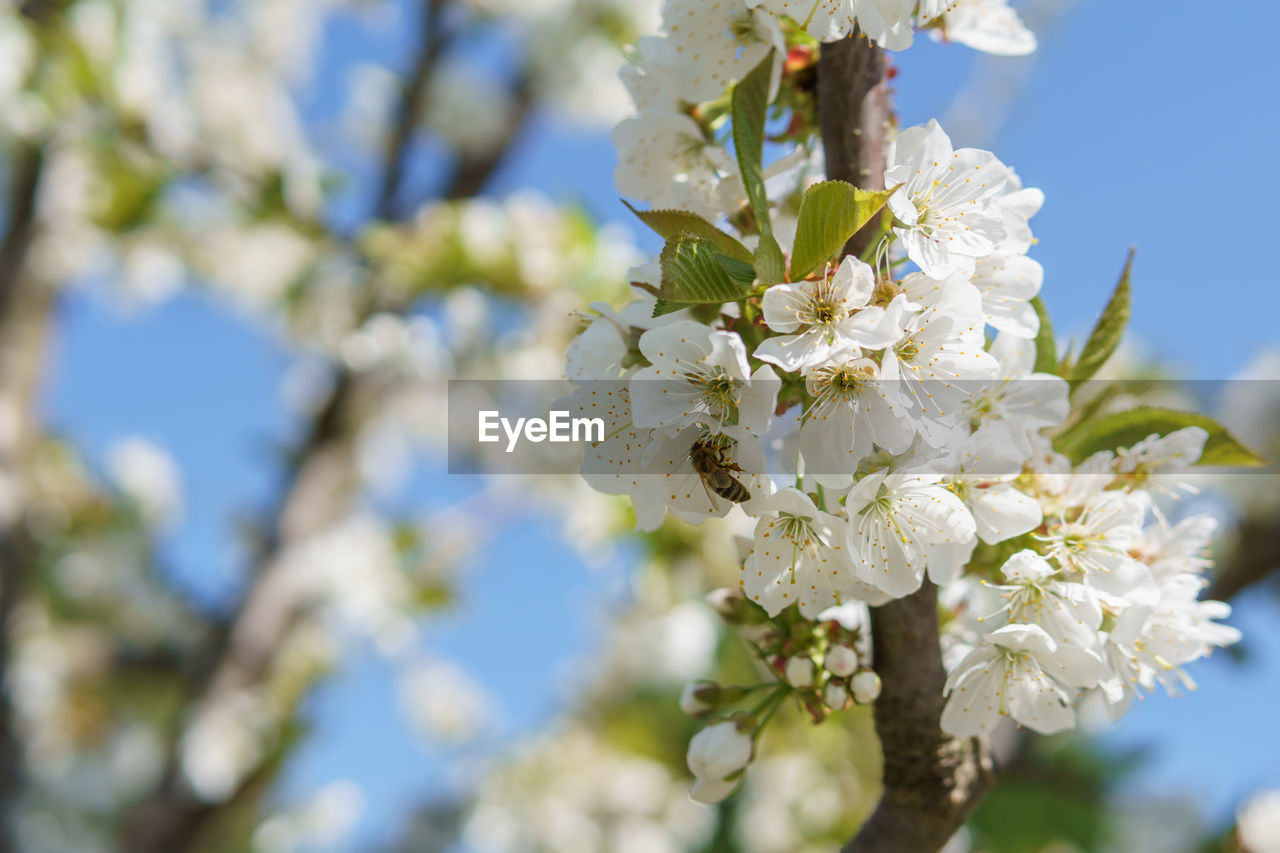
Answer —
1141 127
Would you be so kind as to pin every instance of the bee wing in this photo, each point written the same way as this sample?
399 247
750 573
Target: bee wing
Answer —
715 504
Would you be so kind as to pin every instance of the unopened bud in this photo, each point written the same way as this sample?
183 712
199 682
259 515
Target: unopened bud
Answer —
700 698
734 609
865 687
836 696
720 750
841 661
800 672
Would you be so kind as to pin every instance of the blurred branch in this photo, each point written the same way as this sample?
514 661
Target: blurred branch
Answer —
26 305
474 172
1256 555
931 781
434 41
317 494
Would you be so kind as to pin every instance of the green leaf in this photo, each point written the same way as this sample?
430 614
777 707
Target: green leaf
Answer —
1107 333
771 265
750 105
1127 428
1046 344
830 214
662 306
694 272
669 223
738 270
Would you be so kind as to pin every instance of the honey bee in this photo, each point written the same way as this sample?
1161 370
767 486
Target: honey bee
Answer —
713 469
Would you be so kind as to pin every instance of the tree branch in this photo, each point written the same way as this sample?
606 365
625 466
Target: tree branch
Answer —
26 305
1256 555
408 114
316 496
931 780
855 113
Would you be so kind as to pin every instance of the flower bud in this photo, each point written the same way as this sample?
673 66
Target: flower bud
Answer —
836 696
841 661
718 751
711 791
734 609
865 687
700 698
799 672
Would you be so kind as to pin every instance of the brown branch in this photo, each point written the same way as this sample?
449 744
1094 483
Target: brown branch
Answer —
1256 556
26 305
474 172
408 114
854 111
931 781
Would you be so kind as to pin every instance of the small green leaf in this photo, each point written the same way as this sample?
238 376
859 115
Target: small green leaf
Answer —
1127 428
662 306
694 272
771 265
669 223
830 214
738 270
1107 333
750 106
1046 344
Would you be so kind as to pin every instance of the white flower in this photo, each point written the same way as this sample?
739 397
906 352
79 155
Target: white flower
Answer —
1176 549
715 753
603 349
984 480
707 46
801 554
1035 594
852 410
1158 462
701 376
1008 283
835 696
834 317
986 25
1258 823
1149 644
149 477
902 525
947 202
886 22
614 466
1020 401
445 703
1020 672
664 158
1097 544
667 479
939 356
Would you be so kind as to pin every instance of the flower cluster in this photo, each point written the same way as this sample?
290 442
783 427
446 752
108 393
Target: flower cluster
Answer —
887 418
